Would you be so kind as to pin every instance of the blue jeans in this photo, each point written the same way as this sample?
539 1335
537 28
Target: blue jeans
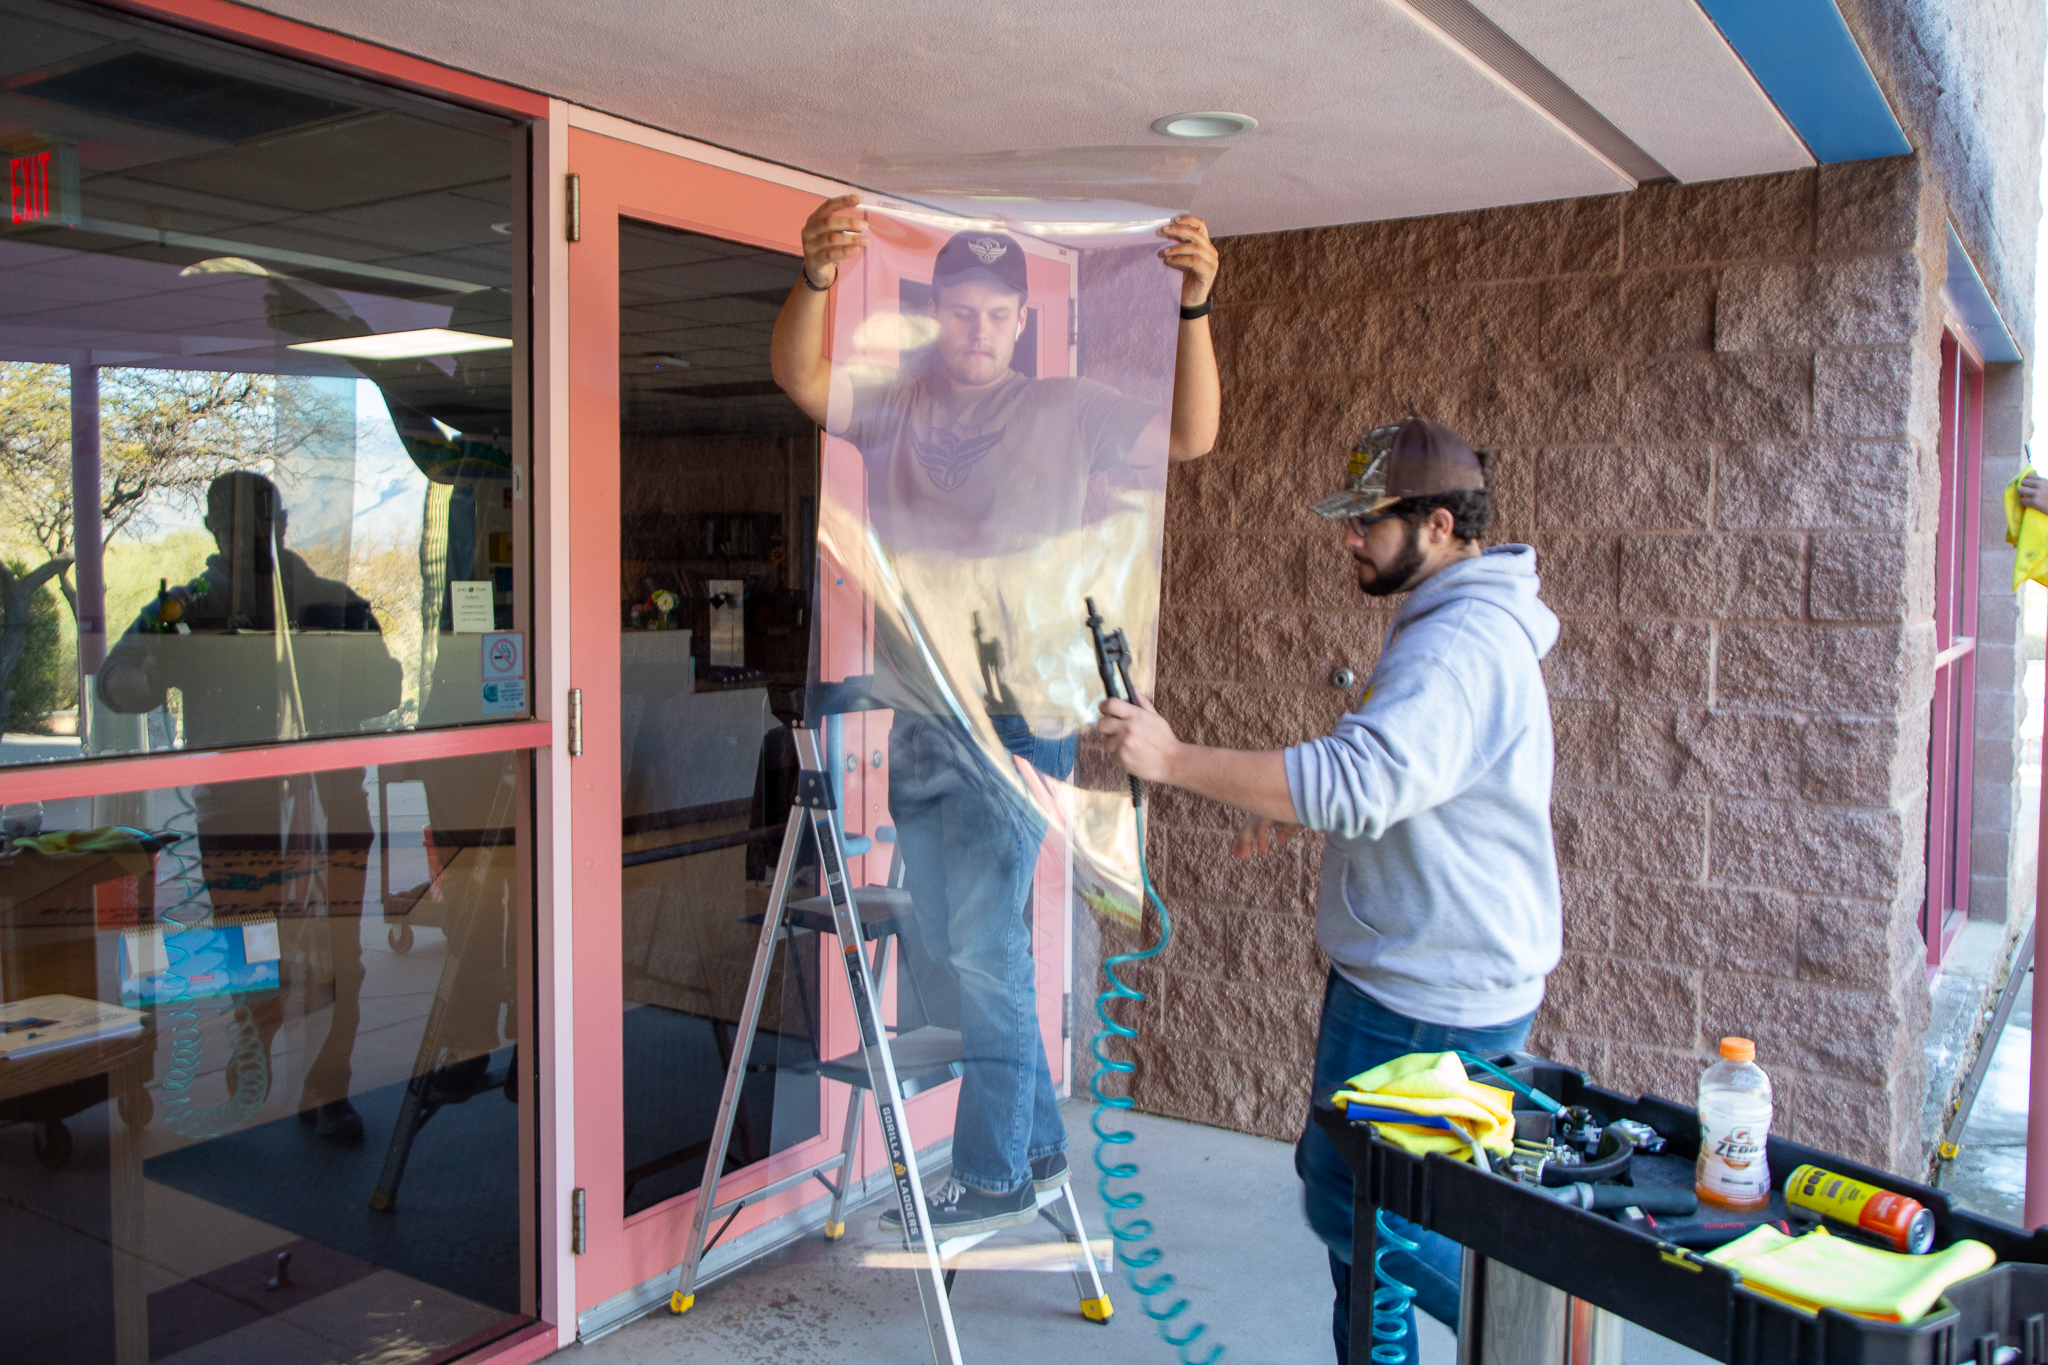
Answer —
970 846
1357 1034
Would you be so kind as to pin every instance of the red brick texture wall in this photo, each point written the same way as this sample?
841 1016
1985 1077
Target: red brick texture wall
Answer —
1715 413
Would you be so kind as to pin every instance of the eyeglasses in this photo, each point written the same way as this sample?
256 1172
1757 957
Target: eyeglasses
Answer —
1360 525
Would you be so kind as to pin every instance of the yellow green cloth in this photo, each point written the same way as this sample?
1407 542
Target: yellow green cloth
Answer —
1817 1271
106 839
1434 1083
2027 531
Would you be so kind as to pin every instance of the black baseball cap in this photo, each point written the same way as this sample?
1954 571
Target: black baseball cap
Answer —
994 257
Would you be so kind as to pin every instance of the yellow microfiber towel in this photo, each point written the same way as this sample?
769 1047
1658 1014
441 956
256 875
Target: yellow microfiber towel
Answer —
1434 1083
2027 531
1818 1271
106 839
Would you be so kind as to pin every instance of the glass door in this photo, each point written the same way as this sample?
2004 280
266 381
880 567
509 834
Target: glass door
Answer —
696 586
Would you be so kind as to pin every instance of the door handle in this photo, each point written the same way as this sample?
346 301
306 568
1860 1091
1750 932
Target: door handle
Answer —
575 722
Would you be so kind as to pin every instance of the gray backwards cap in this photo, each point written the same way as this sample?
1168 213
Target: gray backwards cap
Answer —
1407 459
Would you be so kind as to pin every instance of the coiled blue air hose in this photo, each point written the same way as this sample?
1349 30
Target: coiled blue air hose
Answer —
252 1069
1391 1301
1127 1234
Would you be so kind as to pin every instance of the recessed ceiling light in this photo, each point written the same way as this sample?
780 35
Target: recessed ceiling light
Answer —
423 341
1209 124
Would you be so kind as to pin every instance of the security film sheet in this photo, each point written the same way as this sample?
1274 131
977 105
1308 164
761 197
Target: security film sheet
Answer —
1002 383
1002 356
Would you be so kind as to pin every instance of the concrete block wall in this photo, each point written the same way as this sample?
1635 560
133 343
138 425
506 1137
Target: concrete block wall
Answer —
1715 409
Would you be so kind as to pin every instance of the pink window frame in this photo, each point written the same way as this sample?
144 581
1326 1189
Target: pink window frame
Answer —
1952 719
545 884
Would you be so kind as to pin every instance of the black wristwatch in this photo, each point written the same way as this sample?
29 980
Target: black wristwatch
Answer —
1188 313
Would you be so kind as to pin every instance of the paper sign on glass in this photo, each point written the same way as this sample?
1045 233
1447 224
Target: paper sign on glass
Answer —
470 606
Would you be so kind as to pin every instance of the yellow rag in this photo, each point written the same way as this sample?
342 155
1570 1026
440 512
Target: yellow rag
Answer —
1818 1271
106 839
2027 531
1434 1083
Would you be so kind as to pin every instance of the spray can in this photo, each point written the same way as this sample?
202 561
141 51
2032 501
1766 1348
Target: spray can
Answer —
1905 1224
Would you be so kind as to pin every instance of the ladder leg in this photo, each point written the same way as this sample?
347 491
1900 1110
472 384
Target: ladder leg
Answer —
835 1220
736 1070
815 796
418 1107
1094 1307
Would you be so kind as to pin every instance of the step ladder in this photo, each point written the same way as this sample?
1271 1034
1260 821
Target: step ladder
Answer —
892 1069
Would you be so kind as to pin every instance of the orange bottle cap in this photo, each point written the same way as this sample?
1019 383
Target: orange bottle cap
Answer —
1738 1049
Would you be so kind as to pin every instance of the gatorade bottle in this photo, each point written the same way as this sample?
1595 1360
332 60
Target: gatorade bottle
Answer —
1735 1124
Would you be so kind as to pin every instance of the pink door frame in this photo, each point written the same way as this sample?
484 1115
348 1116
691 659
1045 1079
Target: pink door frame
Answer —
1951 732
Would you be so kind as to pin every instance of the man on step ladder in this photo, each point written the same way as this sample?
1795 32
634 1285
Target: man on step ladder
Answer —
971 458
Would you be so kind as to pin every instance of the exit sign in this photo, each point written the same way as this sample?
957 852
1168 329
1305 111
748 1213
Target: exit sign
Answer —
42 185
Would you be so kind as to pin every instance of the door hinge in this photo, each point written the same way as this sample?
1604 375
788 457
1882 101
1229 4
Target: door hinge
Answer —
1067 1015
575 722
576 1221
575 207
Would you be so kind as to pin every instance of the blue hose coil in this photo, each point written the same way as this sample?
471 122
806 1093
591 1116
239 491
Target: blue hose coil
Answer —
1127 1234
1392 1301
251 1073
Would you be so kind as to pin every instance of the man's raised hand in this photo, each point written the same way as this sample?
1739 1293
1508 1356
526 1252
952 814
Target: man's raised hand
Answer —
1190 251
832 234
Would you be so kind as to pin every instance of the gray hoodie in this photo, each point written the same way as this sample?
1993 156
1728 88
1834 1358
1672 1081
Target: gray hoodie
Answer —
1439 895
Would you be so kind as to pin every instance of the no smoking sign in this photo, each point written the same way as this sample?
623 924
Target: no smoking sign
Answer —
504 673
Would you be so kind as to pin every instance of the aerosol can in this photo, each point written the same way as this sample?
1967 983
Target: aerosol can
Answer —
1735 1126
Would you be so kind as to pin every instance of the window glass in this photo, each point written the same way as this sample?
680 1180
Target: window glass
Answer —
259 330
263 1094
715 466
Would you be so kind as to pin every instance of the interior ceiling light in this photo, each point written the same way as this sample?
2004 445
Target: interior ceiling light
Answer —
1210 124
423 341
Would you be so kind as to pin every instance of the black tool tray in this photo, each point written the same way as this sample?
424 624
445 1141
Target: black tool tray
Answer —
1677 1293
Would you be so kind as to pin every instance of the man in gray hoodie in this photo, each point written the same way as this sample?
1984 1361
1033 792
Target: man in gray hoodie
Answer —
1439 907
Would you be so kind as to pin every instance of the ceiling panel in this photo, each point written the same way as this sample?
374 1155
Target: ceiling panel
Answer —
1363 113
1661 72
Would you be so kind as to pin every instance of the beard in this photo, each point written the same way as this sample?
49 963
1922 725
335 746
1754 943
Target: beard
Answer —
1395 577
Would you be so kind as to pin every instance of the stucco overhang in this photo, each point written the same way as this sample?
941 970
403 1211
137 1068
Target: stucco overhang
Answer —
1384 109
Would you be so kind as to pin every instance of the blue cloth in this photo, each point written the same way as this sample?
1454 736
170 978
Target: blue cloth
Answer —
1357 1034
970 846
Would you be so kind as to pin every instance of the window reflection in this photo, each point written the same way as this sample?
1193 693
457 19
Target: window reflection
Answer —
223 265
265 1019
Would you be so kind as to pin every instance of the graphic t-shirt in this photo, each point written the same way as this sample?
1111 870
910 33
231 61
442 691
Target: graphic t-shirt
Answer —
985 479
991 471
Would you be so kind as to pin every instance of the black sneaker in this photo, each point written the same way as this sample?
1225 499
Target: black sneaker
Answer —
957 1211
1049 1172
336 1121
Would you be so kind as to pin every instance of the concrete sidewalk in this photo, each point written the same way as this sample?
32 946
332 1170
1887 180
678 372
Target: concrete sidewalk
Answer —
1226 1208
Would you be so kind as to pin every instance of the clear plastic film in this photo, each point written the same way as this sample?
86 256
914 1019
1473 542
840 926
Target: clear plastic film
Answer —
996 455
1002 356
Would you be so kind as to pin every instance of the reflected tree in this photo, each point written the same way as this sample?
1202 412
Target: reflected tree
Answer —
164 435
